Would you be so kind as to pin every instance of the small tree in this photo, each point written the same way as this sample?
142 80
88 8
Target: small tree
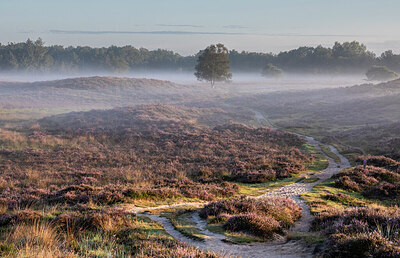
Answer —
213 64
380 73
272 71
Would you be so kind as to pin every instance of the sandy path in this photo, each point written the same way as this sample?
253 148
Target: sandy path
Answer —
215 242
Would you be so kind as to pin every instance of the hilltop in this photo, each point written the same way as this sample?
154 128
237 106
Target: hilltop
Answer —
91 83
87 93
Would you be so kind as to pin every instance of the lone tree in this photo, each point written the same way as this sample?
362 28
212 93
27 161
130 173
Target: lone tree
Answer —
381 73
213 65
272 71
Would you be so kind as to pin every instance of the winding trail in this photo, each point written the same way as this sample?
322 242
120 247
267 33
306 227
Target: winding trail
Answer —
282 248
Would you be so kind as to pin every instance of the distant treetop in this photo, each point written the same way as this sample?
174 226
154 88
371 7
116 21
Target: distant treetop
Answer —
35 56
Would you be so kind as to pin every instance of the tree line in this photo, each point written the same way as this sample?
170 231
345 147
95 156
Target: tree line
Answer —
35 56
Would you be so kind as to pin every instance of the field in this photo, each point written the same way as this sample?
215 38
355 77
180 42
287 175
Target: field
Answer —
106 166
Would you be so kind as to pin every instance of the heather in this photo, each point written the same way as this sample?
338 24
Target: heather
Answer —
265 217
356 210
145 152
360 232
381 182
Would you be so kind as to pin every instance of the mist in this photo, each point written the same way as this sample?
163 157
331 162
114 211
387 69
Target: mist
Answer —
291 81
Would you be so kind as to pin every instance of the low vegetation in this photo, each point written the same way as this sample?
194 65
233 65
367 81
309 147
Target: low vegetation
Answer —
357 210
264 218
381 73
183 222
361 232
372 182
139 153
62 177
272 71
87 233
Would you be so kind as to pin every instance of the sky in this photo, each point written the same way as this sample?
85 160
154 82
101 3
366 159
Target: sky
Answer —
186 26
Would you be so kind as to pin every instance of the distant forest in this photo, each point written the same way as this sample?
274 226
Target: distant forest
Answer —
34 56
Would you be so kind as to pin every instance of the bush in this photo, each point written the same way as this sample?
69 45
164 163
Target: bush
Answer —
381 73
272 71
261 226
254 176
380 161
261 217
371 182
360 232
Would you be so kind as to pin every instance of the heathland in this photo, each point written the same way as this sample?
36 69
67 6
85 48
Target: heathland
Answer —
83 159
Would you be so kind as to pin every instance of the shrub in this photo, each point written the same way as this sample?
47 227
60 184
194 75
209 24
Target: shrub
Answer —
272 71
379 161
371 182
381 73
254 176
261 217
261 226
361 232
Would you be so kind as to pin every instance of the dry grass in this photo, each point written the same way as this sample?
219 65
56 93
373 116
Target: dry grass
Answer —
39 239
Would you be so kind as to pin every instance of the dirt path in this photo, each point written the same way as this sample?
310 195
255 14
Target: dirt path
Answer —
294 190
261 119
216 242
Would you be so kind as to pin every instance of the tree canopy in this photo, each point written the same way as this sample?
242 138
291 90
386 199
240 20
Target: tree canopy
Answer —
35 56
213 64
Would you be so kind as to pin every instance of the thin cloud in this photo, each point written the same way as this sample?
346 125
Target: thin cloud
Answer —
178 32
235 27
180 25
141 32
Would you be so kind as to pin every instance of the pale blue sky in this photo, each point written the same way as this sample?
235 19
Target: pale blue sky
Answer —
186 26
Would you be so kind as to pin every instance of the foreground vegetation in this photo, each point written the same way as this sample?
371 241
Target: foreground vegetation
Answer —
357 211
62 175
264 218
138 153
66 176
52 232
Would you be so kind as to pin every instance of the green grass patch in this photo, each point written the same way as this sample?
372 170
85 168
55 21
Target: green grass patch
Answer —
310 180
329 153
319 163
183 223
233 237
325 196
309 237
